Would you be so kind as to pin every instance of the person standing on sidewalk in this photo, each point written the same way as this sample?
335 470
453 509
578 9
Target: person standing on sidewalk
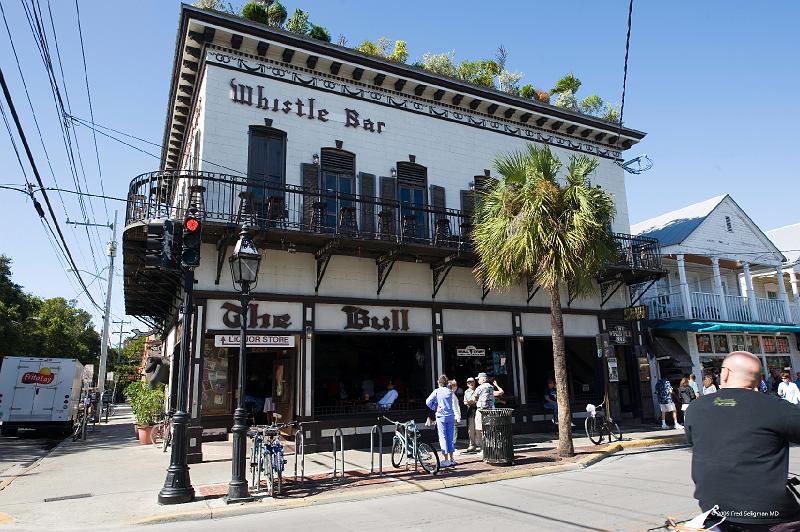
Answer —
708 385
470 402
453 384
485 394
693 385
441 402
740 451
787 390
664 394
686 394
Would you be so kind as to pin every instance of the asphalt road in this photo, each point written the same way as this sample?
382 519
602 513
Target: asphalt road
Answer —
24 448
634 491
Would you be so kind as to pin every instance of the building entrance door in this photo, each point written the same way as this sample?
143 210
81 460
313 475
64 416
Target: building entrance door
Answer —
284 383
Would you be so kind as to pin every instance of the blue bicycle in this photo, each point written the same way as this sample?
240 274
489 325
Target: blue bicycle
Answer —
267 457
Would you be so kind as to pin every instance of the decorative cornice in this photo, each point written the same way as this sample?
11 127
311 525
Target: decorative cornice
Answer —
268 68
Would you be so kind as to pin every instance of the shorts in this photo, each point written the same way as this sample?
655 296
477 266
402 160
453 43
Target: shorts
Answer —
670 407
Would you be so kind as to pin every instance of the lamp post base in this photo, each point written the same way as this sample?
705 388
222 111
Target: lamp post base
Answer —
237 487
177 486
238 492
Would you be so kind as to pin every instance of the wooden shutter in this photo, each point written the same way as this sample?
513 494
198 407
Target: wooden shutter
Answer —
310 177
437 197
387 214
338 161
467 204
366 183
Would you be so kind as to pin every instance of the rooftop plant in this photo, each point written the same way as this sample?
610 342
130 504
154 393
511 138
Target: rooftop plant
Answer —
380 48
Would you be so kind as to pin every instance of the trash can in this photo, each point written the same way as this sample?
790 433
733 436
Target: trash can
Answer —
498 436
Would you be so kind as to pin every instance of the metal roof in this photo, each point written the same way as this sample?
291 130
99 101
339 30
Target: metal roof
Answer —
787 238
675 226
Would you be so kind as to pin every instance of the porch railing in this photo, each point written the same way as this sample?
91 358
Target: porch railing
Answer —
738 308
637 252
795 314
705 306
771 310
665 307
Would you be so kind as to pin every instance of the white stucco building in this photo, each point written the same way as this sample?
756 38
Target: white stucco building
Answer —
362 175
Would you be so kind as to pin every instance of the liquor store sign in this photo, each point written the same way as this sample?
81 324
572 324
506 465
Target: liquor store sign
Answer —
253 340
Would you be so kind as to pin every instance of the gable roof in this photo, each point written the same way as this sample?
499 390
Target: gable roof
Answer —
787 238
675 226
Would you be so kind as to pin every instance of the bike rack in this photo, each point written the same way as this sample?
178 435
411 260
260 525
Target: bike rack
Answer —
416 453
300 453
376 430
338 432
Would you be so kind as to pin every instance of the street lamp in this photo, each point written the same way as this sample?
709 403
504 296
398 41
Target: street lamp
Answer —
244 271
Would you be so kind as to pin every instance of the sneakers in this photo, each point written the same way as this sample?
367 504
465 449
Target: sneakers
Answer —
678 426
446 463
664 426
453 463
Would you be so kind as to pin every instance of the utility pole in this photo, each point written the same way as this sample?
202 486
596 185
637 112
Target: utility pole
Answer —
112 252
122 324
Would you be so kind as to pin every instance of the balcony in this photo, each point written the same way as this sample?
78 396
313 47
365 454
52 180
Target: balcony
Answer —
706 307
322 222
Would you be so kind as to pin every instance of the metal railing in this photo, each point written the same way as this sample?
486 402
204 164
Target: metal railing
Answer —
771 310
664 307
738 308
795 313
637 252
705 306
300 453
377 431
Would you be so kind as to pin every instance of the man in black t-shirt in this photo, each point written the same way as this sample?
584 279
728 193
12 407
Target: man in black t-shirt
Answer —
740 450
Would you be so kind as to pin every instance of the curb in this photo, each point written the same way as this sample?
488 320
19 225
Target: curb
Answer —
402 487
17 471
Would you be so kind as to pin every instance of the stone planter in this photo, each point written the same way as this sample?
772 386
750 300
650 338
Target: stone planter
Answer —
144 434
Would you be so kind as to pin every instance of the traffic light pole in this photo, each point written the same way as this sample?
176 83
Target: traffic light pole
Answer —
178 486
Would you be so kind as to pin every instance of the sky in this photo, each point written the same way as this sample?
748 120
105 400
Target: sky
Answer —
712 83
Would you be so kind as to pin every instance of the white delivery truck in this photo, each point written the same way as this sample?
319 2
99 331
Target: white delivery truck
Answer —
39 393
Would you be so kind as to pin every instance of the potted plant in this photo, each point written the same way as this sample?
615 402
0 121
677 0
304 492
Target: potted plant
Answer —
147 406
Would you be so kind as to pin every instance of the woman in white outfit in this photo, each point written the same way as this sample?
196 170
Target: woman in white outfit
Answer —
788 390
456 409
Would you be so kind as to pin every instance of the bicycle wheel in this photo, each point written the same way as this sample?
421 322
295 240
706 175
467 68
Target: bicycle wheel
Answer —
157 435
398 452
614 431
428 458
593 430
167 435
111 410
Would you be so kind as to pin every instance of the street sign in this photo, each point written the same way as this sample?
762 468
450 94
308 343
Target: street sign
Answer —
636 313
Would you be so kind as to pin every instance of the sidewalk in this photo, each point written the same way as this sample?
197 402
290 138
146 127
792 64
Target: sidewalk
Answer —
111 480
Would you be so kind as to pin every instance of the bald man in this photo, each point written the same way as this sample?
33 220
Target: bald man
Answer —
740 450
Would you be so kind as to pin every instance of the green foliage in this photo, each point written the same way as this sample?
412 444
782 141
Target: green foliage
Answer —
298 22
380 48
30 326
441 64
527 91
276 14
593 105
568 83
509 81
147 404
479 72
532 224
611 114
319 33
256 12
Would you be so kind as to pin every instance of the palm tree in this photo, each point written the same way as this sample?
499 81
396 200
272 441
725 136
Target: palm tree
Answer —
531 224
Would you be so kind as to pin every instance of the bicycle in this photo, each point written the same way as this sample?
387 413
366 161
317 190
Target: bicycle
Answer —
161 435
79 428
108 409
406 436
597 425
267 456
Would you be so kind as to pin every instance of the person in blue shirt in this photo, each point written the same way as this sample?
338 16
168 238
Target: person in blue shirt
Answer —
441 402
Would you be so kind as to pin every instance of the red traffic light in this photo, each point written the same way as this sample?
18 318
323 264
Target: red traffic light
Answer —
191 224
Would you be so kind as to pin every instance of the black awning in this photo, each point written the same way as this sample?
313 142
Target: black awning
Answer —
669 349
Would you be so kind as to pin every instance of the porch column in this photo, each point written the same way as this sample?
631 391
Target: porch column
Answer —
751 294
685 297
723 307
795 290
782 294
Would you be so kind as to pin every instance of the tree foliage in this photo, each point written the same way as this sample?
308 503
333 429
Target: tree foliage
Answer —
567 100
320 33
298 22
256 12
30 326
380 48
593 105
533 224
276 14
568 83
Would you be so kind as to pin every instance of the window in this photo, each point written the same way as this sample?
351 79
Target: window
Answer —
412 182
737 342
704 343
266 168
782 344
754 346
338 181
728 225
721 343
772 294
769 344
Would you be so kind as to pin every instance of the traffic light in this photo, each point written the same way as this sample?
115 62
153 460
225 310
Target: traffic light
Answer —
192 232
154 245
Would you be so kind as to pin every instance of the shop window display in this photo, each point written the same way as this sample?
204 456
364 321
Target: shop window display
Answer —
721 343
216 396
754 346
769 344
704 343
737 343
782 344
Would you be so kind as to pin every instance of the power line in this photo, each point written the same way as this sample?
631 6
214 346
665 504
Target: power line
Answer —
32 162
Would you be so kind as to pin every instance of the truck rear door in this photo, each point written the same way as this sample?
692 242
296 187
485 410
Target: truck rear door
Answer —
47 380
22 400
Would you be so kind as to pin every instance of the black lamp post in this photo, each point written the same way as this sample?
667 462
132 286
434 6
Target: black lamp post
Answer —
244 270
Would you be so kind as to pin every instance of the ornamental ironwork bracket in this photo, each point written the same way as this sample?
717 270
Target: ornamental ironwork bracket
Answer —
633 289
223 244
533 288
440 271
323 256
385 264
485 289
606 290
